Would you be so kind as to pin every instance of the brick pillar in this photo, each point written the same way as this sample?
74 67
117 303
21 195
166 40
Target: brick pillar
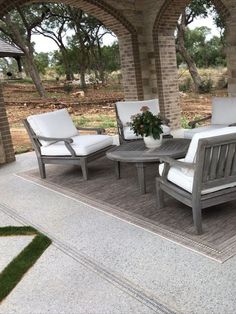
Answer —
130 67
231 55
2 151
167 78
5 131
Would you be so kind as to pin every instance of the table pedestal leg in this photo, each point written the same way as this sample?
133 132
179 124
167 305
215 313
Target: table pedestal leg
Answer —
141 177
117 169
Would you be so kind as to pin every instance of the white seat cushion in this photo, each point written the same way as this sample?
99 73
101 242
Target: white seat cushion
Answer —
53 124
223 110
82 144
126 109
184 180
189 133
191 153
130 135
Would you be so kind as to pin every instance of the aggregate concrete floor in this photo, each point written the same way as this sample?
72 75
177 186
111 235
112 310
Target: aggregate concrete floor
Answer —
101 264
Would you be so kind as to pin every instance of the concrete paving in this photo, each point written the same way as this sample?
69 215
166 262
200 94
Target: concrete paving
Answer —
10 247
101 264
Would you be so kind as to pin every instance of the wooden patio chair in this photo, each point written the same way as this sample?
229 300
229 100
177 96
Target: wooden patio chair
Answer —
56 140
205 177
223 114
126 109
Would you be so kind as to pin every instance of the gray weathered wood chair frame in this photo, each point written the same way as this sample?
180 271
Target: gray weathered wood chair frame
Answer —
73 159
215 166
120 128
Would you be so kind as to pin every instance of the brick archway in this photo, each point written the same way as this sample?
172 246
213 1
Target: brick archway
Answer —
165 55
129 53
124 30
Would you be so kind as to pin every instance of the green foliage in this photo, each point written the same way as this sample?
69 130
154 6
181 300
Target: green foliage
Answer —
186 85
101 121
146 123
8 64
68 88
106 122
222 82
42 61
82 121
205 52
111 57
184 122
206 86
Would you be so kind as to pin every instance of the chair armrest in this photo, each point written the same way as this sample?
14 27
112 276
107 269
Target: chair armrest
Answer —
173 162
232 124
194 122
98 130
54 139
67 142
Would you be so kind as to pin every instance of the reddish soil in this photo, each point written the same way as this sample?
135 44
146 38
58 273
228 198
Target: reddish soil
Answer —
22 100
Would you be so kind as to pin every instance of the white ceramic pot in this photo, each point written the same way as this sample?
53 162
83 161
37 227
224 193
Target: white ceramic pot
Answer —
150 142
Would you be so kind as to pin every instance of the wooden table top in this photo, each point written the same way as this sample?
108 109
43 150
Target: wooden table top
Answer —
136 151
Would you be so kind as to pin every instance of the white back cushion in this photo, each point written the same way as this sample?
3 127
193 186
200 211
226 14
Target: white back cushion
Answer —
191 154
223 110
53 124
126 109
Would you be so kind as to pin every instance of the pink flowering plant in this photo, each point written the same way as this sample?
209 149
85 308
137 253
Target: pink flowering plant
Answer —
146 123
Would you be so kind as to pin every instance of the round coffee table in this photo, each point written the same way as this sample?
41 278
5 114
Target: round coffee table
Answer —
137 153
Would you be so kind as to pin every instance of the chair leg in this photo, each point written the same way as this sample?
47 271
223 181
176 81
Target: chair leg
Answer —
159 195
83 163
197 218
42 170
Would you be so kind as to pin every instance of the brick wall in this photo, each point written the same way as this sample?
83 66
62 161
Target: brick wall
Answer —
2 151
5 143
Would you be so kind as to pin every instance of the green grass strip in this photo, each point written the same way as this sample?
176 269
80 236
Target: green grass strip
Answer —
16 231
14 271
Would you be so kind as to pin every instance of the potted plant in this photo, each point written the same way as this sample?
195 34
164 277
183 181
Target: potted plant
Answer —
149 126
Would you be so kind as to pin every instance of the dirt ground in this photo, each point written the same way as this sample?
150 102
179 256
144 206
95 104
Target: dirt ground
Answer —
94 108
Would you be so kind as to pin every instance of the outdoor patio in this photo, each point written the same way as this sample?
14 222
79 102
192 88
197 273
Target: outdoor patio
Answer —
124 253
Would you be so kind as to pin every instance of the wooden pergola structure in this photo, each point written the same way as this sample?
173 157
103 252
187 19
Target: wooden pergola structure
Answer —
9 51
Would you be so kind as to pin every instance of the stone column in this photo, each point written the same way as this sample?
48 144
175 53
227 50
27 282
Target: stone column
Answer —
7 147
2 151
130 67
167 79
231 57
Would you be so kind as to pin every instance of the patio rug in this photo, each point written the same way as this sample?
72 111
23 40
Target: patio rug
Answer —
123 199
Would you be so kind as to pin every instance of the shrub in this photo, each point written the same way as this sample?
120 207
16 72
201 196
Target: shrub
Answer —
186 85
206 86
184 122
68 87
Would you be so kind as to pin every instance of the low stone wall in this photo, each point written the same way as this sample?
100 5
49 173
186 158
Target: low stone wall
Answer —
2 152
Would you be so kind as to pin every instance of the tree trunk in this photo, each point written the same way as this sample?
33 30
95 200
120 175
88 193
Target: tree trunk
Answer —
34 74
100 63
191 67
82 78
180 47
27 47
67 65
